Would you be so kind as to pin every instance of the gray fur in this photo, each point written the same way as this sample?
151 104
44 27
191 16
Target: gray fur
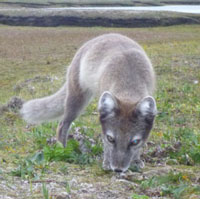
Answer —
117 69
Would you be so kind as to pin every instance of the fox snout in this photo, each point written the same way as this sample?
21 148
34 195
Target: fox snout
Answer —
119 169
120 160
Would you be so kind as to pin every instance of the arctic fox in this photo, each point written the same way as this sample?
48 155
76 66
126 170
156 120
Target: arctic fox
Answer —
116 69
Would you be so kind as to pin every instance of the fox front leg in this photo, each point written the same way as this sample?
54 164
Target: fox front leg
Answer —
137 162
72 110
106 159
62 132
74 105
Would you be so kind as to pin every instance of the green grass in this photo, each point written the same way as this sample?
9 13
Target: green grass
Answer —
136 196
24 151
45 191
174 184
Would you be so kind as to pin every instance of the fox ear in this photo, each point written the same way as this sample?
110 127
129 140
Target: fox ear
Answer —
147 107
107 105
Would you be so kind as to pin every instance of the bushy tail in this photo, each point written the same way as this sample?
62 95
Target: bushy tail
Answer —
44 109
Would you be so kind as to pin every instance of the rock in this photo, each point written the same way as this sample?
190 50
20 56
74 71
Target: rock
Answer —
51 141
13 105
195 82
82 139
63 195
73 183
128 183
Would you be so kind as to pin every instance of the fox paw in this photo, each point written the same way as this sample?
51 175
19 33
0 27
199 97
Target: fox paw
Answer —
106 166
138 163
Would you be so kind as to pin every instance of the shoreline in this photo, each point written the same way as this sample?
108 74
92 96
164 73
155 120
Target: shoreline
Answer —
33 17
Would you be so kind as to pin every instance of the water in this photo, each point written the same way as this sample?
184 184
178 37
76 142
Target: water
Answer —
195 9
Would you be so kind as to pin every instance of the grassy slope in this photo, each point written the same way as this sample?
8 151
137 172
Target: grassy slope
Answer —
28 52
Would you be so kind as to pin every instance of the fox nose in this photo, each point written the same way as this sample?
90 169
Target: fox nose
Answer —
118 170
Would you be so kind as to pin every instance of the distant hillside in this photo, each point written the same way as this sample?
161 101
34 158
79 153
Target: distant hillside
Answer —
107 18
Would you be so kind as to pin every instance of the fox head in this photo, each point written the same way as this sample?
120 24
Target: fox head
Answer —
125 127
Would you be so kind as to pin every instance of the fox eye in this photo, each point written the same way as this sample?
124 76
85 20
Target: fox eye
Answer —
110 139
135 142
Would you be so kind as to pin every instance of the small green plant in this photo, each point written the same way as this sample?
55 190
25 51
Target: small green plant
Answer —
64 169
175 190
136 196
189 152
45 191
172 184
155 181
57 152
42 133
68 188
97 149
72 152
28 167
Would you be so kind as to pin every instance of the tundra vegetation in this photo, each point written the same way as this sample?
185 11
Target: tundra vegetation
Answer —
33 64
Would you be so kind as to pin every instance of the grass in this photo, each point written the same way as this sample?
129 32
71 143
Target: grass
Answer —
45 191
27 52
175 184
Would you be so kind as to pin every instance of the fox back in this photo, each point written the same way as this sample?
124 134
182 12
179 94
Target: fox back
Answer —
115 63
